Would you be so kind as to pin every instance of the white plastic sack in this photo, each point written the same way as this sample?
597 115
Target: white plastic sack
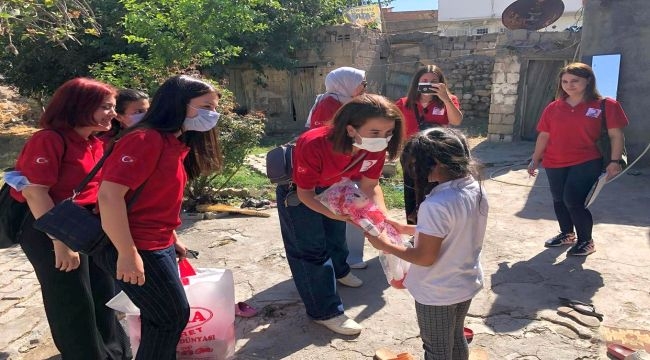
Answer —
210 332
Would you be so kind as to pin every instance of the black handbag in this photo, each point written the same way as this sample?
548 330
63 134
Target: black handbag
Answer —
76 226
604 143
12 217
14 213
279 164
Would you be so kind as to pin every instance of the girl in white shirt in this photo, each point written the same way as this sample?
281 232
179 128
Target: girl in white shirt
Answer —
446 271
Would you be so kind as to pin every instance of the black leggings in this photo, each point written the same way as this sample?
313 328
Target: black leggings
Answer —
569 188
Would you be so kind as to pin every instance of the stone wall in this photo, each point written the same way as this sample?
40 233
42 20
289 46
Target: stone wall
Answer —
467 62
483 71
514 50
505 83
286 96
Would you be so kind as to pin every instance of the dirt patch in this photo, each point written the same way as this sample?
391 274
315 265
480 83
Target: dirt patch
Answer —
18 121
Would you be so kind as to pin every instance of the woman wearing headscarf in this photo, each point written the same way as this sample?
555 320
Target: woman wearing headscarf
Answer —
341 85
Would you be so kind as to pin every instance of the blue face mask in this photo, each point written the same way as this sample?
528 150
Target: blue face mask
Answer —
135 118
204 121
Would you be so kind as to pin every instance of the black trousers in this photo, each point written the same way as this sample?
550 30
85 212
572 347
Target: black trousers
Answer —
569 188
164 309
82 326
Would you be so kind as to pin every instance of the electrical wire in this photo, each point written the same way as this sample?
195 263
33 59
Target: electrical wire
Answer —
492 174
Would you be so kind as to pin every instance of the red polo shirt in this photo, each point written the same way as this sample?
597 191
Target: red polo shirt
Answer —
324 112
573 131
42 163
315 164
148 155
433 114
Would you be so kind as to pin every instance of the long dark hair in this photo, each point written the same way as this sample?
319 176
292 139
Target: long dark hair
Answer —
434 146
357 112
167 113
413 96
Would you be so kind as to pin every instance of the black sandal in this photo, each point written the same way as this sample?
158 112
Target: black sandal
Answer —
581 307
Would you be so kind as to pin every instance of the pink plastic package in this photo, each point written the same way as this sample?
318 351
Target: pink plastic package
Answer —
345 198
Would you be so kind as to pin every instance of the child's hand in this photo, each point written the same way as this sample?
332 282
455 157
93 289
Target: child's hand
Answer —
378 242
401 227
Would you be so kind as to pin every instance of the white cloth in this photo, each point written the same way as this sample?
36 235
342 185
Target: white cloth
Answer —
339 83
451 211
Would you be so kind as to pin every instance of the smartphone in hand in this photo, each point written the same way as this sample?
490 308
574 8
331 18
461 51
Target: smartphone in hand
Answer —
427 88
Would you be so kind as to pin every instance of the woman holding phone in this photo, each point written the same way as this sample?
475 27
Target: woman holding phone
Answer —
427 104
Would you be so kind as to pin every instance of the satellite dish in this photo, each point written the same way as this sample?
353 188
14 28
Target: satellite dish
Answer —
532 14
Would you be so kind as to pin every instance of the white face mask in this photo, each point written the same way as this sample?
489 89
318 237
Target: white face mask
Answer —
373 144
204 121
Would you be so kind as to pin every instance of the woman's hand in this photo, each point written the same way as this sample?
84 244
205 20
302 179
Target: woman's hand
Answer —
64 258
442 92
130 268
180 248
334 216
532 167
612 170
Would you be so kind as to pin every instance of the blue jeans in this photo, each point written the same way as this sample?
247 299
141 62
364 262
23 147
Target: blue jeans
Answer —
316 252
354 239
164 309
569 188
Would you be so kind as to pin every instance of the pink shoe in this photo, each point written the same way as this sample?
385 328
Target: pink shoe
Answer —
244 310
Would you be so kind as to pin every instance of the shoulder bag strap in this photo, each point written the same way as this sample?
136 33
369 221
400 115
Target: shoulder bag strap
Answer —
93 172
356 161
418 117
603 117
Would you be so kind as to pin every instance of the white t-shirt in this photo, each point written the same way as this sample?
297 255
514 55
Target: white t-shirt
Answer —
451 211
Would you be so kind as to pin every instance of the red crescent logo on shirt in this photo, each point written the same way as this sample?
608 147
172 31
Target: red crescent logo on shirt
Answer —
127 159
41 160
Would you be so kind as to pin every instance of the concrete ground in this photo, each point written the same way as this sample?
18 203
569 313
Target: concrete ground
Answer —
514 317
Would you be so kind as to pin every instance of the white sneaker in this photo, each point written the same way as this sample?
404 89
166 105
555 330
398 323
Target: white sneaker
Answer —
359 265
341 325
350 280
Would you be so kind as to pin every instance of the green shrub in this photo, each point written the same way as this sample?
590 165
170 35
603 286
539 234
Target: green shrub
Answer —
131 72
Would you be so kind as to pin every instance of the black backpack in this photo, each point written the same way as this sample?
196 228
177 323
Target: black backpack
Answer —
13 213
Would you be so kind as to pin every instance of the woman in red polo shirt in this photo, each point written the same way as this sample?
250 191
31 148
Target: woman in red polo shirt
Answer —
54 161
365 131
566 147
341 85
176 140
423 110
